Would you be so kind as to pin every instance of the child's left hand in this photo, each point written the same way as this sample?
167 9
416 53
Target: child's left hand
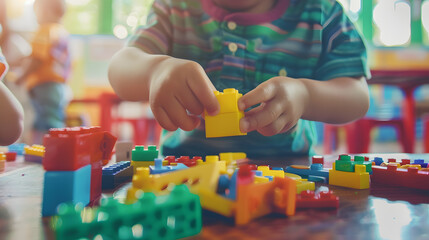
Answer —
282 102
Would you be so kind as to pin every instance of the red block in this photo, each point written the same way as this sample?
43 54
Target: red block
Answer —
317 159
183 159
394 176
10 156
96 180
68 149
405 162
308 199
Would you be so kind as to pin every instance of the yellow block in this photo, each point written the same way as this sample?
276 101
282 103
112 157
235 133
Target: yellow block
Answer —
411 165
137 164
36 150
216 203
204 176
301 184
359 179
2 156
231 156
228 100
226 123
273 173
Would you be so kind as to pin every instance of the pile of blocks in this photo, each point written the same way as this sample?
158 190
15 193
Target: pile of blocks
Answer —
73 163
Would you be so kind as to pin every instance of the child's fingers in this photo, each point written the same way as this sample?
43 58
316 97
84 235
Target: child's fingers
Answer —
276 127
178 115
163 119
269 113
191 103
262 93
203 89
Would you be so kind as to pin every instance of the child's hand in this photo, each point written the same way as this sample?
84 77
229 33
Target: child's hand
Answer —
282 103
179 92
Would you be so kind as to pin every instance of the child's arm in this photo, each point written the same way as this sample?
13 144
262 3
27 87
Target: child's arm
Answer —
11 120
285 100
177 90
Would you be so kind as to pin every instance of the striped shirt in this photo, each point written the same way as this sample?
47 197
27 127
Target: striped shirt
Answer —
298 38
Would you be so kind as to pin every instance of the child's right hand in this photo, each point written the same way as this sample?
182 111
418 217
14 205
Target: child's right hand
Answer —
180 91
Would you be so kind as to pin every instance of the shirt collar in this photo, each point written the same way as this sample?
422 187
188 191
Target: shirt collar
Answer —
245 19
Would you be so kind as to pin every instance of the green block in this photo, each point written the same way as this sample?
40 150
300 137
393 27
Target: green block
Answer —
361 161
172 216
141 154
345 164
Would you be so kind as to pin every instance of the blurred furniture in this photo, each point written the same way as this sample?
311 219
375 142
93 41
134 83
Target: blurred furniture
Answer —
358 132
146 130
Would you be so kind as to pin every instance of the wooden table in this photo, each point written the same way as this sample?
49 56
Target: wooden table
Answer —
379 212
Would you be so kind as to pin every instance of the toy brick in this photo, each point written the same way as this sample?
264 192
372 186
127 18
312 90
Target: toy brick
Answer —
123 151
421 162
361 160
378 161
418 166
308 171
65 186
189 162
17 147
301 184
2 161
35 149
273 173
116 174
68 149
228 100
158 168
139 153
231 156
203 176
33 158
172 216
405 161
317 159
345 164
10 156
224 125
252 199
394 176
359 179
308 199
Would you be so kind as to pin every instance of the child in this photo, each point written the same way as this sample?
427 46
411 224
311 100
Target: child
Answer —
293 60
47 71
11 120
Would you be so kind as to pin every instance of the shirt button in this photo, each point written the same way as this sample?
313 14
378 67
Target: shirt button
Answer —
232 25
282 72
232 47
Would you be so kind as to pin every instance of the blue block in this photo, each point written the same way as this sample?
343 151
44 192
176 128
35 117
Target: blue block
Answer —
315 170
277 168
158 168
17 147
233 187
223 184
378 161
421 162
257 173
270 178
116 174
65 186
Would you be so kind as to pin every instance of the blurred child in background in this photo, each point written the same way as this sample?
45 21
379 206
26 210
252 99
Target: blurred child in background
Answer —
293 60
12 114
47 70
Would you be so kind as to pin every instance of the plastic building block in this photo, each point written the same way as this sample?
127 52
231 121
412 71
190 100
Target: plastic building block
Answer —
418 166
2 161
217 203
200 177
10 156
228 157
158 168
317 159
68 149
65 186
361 160
226 123
123 151
116 174
301 184
273 173
421 162
316 171
252 199
17 147
172 216
308 199
141 154
215 158
394 176
359 179
34 153
345 164
378 161
190 162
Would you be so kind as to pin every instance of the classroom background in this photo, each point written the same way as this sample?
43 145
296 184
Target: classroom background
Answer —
396 33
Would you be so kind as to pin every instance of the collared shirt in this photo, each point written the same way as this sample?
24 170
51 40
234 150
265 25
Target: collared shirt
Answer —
300 39
50 46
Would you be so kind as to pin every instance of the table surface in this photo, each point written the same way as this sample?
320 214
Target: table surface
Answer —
378 212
